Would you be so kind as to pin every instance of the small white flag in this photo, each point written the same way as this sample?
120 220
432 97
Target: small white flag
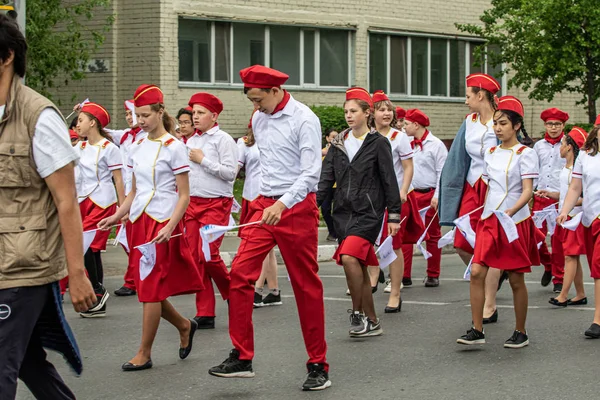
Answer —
235 207
88 238
574 222
447 239
464 226
467 274
426 254
423 213
213 232
231 220
508 225
538 219
205 244
386 252
122 238
540 244
148 259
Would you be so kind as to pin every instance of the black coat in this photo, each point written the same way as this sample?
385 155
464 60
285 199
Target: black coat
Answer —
365 187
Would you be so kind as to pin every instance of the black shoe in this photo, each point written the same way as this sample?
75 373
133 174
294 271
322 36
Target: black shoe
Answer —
125 291
557 303
374 288
503 277
134 367
233 367
580 302
393 310
432 282
317 378
205 322
99 313
593 331
492 318
557 287
272 300
517 340
407 281
185 351
381 278
102 296
258 300
546 278
473 336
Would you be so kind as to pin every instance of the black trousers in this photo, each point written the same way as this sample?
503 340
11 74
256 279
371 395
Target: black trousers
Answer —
21 353
326 211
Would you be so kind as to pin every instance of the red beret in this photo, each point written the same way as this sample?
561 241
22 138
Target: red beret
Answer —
261 77
358 93
146 95
400 113
597 120
510 103
418 116
554 114
378 96
578 135
128 101
188 108
73 134
483 81
97 111
207 100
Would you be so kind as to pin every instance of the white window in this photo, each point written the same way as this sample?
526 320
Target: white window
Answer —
213 52
418 66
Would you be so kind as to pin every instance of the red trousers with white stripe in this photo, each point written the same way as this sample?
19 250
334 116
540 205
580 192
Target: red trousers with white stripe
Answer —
553 262
297 237
202 212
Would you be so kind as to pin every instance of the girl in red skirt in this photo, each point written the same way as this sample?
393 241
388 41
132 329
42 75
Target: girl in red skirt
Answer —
99 163
587 179
360 162
511 169
159 196
572 242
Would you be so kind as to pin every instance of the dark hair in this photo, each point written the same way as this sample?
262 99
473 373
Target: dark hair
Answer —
488 95
515 119
101 129
12 40
183 111
74 122
247 89
571 142
328 131
591 143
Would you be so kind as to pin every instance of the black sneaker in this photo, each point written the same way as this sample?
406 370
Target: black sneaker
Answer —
258 300
356 319
317 378
205 322
99 313
125 291
432 282
272 300
102 296
546 278
233 367
407 281
473 336
557 287
517 340
367 328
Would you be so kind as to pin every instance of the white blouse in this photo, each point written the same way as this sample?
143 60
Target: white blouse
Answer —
565 181
94 172
401 150
249 157
154 165
586 168
505 170
478 138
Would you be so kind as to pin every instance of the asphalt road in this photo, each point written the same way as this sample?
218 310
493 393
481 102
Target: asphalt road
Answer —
415 358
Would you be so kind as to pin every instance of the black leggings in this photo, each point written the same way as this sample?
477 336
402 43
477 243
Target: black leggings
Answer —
93 265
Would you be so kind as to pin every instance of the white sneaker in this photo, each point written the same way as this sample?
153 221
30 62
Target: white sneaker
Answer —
388 288
347 292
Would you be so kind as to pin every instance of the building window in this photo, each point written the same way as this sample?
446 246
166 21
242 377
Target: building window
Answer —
424 67
212 52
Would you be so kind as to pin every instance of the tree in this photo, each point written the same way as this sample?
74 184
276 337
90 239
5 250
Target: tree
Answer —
549 46
61 41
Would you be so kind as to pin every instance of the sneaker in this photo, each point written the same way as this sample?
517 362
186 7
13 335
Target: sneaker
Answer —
125 291
258 300
557 287
388 288
432 282
517 340
233 367
272 299
347 292
102 296
317 378
546 278
99 313
407 281
331 238
367 328
473 336
356 319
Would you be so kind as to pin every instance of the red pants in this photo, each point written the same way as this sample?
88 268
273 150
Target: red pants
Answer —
555 261
433 236
202 212
297 237
129 274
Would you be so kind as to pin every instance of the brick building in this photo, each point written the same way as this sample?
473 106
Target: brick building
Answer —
412 51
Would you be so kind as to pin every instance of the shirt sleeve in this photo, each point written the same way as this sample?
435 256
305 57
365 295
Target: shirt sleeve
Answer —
241 152
404 147
578 167
117 134
179 158
114 159
529 165
52 149
225 167
440 159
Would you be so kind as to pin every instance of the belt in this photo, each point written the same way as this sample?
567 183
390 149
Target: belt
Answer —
273 197
426 190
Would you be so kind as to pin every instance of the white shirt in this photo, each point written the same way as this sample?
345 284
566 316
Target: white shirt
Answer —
353 144
155 164
505 169
94 172
401 150
586 168
290 152
117 134
565 180
551 164
428 163
478 138
126 148
215 175
249 157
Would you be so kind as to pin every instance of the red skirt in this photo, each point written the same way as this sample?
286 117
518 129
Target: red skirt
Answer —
175 272
592 246
472 198
411 229
573 241
358 248
493 250
91 214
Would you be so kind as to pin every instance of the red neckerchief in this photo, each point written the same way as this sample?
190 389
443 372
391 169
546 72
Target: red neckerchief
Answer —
416 142
553 141
280 106
133 132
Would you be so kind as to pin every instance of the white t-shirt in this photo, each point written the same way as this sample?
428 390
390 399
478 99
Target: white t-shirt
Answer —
353 144
51 145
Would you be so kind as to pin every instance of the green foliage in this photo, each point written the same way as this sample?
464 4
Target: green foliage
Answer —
61 40
549 46
330 117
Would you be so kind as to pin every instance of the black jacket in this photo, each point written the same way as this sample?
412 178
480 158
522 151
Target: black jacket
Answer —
365 187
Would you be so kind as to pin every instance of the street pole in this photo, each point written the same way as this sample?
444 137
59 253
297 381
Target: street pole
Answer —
20 9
